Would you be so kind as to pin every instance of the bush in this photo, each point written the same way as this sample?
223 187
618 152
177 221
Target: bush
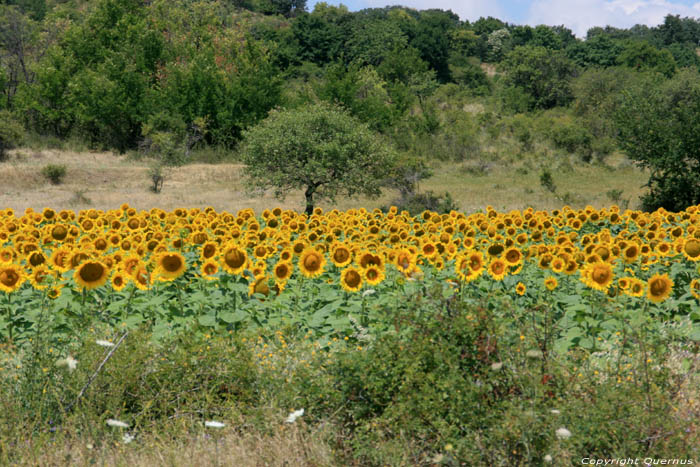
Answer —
572 137
416 203
54 172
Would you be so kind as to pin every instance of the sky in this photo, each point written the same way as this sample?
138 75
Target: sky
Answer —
577 15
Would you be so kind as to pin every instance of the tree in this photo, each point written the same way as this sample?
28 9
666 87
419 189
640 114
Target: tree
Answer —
541 74
659 128
641 56
319 149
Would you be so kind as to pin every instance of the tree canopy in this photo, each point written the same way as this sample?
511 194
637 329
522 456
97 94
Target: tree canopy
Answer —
319 149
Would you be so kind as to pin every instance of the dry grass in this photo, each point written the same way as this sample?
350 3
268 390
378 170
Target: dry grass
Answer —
291 445
106 180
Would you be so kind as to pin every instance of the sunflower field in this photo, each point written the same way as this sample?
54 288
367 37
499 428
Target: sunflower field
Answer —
382 302
326 270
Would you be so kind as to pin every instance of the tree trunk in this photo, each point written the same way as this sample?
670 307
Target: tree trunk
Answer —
310 199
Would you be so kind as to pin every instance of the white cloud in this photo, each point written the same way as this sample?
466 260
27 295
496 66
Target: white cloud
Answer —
580 15
466 9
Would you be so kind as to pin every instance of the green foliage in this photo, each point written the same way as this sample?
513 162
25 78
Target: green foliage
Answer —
54 172
541 74
417 202
659 128
319 149
362 92
11 133
571 136
642 56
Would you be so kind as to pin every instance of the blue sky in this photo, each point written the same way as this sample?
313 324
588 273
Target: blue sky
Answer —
578 15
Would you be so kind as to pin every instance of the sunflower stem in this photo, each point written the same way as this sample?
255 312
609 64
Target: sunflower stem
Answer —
9 314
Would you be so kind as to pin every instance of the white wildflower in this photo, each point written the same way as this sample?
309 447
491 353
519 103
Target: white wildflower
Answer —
555 411
496 366
214 424
563 433
294 415
127 438
548 459
117 423
104 343
534 353
69 361
368 292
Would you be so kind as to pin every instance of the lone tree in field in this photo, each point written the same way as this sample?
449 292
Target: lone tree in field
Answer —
319 149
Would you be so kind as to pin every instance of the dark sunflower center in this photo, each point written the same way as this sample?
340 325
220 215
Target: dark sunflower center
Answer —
352 279
341 255
234 258
91 272
312 262
171 263
657 287
9 277
59 232
600 275
692 248
209 251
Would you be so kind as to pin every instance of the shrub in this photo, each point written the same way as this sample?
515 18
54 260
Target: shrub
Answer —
416 203
54 172
572 137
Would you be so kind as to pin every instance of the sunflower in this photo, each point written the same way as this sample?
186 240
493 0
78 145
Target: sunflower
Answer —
428 249
351 279
141 277
170 266
59 259
636 288
11 277
659 287
259 286
597 275
498 269
36 258
119 280
520 289
7 255
208 251
234 259
209 269
59 232
513 256
39 277
283 271
366 259
404 260
551 283
691 249
624 283
311 262
91 274
341 255
558 265
631 253
374 275
695 288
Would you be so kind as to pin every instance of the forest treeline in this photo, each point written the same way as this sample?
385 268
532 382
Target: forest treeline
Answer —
171 76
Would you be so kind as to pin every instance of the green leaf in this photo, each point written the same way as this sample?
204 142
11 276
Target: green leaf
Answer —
207 320
232 317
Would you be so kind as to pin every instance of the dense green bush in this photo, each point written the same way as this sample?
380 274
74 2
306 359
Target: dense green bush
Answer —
54 172
659 128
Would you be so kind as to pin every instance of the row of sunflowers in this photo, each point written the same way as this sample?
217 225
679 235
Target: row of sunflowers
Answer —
614 252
